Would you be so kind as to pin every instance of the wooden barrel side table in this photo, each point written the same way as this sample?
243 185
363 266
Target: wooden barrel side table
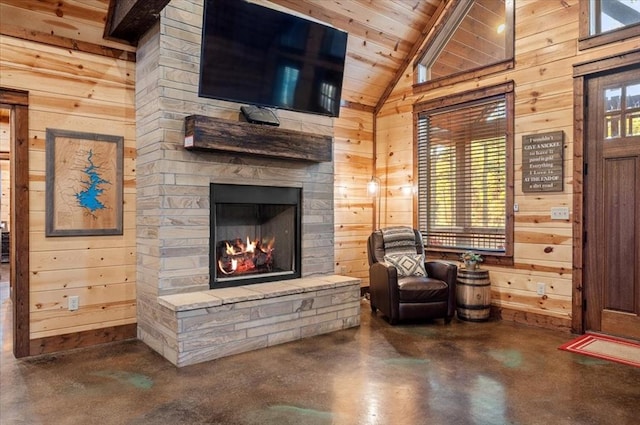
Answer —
473 295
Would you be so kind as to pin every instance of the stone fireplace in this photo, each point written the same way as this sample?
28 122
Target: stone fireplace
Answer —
181 313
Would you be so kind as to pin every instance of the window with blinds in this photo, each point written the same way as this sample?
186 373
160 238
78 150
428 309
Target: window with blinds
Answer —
462 175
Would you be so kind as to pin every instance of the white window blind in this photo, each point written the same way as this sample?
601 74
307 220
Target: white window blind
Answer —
462 176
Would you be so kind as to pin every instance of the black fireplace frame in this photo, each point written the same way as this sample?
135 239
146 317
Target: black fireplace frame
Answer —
254 194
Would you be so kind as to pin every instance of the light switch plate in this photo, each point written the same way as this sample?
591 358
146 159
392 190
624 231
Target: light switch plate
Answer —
74 302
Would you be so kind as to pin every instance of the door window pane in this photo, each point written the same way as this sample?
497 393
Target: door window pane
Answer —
633 124
632 109
633 96
622 111
612 99
612 127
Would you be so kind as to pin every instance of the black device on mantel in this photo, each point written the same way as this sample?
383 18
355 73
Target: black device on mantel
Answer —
255 55
260 115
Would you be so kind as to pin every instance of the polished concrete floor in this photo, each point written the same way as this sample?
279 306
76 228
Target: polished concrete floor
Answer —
431 373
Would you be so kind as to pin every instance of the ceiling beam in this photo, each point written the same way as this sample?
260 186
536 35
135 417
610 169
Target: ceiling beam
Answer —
128 20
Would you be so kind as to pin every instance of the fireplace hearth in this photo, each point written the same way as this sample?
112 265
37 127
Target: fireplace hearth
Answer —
255 234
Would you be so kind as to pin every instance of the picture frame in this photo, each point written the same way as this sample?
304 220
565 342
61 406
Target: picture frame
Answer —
84 183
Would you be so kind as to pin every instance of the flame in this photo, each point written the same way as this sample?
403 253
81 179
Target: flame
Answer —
234 266
251 246
241 258
271 244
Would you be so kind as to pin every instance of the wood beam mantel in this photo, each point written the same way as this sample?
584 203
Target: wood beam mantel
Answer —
215 134
129 19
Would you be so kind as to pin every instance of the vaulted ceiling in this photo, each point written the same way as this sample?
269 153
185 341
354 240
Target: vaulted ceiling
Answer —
383 34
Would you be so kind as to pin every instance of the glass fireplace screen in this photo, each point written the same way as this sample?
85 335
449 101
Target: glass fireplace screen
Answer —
255 234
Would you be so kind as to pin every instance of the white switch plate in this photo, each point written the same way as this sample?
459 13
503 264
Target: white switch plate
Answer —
541 288
74 302
560 213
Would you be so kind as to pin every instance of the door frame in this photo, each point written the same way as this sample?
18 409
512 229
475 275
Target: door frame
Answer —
18 102
582 73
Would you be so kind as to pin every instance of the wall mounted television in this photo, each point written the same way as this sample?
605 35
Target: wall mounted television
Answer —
255 55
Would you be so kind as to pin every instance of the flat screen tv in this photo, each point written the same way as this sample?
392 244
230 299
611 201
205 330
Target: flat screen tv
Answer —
255 55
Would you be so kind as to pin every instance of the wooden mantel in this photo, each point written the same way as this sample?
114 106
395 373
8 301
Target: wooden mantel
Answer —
216 134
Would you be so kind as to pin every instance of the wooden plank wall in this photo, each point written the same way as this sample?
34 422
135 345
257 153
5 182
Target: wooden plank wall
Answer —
545 49
75 91
79 20
353 158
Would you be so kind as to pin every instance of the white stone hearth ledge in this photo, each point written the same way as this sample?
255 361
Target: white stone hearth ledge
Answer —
202 326
216 297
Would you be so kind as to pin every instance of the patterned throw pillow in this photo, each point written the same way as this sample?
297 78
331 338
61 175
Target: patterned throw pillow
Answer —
407 264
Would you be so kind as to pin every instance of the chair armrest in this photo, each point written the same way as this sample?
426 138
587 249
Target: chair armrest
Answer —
383 288
448 273
385 277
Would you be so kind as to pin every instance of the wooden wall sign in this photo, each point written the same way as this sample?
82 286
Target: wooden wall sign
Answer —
542 162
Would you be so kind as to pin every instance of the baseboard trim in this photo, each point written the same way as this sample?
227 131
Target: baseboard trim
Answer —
533 319
70 341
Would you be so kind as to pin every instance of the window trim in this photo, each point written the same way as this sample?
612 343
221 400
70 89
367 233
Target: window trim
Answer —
588 41
444 28
506 89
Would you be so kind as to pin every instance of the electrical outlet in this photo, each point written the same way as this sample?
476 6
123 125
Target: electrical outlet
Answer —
560 213
74 302
541 288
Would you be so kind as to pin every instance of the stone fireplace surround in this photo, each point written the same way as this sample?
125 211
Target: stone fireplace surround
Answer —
178 315
187 322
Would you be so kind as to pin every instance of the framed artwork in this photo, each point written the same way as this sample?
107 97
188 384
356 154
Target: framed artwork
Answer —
83 183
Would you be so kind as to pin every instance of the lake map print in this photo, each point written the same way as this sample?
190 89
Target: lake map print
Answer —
84 188
93 187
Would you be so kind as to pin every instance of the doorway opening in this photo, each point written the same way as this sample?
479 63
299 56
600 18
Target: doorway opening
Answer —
15 121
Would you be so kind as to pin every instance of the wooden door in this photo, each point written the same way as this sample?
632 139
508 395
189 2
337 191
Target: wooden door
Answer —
612 210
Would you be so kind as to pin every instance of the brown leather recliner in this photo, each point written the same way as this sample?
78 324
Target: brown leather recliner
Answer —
410 297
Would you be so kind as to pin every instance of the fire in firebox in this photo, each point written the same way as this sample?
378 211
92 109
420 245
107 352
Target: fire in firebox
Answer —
236 257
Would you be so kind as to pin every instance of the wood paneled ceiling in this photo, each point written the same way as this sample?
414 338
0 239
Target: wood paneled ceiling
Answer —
383 34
